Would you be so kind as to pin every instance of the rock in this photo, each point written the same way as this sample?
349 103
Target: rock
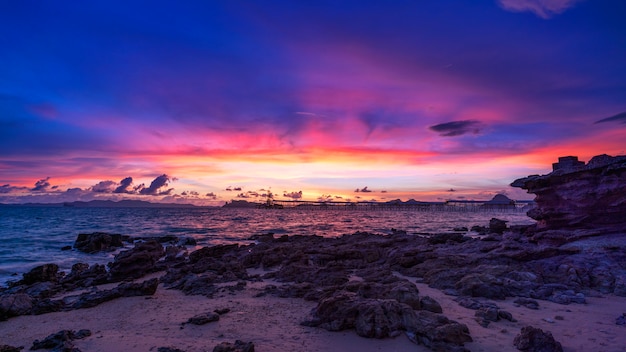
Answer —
238 346
621 320
441 238
380 318
485 315
61 341
204 318
481 285
97 242
92 299
460 229
136 262
575 195
42 273
535 340
12 305
7 348
169 349
429 304
497 225
527 302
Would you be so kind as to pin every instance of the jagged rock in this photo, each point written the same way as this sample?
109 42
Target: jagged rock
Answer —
204 318
238 346
536 340
98 241
86 300
61 341
380 318
575 195
621 320
136 262
83 275
481 285
8 348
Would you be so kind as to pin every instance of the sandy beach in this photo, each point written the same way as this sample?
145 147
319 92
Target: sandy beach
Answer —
273 324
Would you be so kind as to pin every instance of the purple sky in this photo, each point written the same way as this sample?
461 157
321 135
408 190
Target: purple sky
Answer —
412 99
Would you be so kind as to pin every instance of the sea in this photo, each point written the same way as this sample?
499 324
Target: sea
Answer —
31 236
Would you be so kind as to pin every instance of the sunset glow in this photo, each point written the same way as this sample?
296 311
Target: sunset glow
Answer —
205 102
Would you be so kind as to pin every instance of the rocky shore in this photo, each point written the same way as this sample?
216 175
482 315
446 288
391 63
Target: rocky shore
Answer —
370 283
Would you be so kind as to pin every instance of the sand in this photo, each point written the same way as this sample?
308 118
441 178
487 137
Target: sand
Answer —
272 324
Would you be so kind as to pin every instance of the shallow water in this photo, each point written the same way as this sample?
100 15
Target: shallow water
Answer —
31 236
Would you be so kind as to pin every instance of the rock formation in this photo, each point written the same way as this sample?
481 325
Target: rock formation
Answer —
575 195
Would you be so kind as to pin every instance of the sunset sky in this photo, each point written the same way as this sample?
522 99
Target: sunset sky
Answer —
207 101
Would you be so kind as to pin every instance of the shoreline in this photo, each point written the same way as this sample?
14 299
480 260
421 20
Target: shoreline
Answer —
273 324
307 293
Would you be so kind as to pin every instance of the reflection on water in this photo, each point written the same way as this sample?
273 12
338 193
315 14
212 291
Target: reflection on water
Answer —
33 236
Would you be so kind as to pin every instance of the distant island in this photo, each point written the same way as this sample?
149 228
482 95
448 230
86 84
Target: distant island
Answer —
127 203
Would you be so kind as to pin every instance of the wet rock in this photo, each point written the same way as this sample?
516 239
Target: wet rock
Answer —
536 340
238 346
204 318
621 320
8 348
41 273
497 226
136 262
61 341
83 275
97 242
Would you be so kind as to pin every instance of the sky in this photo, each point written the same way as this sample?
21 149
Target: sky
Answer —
203 102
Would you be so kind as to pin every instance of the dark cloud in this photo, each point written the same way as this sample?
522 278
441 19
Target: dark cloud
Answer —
293 195
124 185
364 189
456 128
104 187
451 190
41 185
620 118
211 195
243 195
237 189
156 187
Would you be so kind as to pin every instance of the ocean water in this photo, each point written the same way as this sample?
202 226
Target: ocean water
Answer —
31 236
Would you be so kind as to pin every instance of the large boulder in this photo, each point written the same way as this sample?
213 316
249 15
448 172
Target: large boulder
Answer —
98 241
136 262
532 339
576 195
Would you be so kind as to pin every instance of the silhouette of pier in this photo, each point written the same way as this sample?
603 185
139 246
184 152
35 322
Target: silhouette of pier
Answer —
449 206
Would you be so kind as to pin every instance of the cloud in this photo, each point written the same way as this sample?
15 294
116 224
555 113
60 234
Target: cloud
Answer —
41 185
293 195
456 128
364 189
156 185
621 118
211 195
542 8
124 185
243 195
104 187
451 190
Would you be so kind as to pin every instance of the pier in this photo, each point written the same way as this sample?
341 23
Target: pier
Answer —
450 206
